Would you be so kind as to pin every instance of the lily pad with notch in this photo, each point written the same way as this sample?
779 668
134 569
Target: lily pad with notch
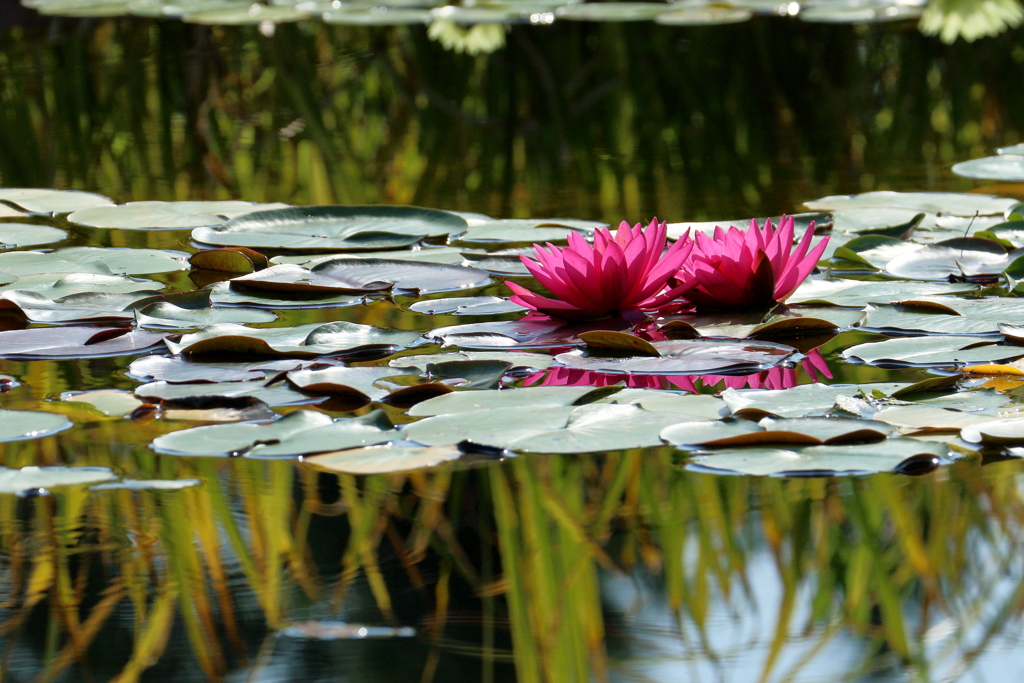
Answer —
333 228
202 395
801 431
383 459
341 339
897 223
472 305
151 215
956 259
526 333
859 293
105 261
180 369
77 342
807 400
937 351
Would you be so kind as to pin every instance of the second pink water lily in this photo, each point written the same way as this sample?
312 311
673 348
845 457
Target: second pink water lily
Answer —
746 269
618 274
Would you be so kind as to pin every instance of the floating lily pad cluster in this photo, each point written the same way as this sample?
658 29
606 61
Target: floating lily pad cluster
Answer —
545 12
381 339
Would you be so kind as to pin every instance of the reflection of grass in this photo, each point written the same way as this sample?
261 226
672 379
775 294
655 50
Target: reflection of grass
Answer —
591 120
882 559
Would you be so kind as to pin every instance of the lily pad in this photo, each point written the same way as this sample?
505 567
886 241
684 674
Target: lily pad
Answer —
808 400
14 235
873 251
897 223
107 261
167 316
218 394
705 16
229 260
147 485
497 401
515 359
945 315
796 431
362 16
490 234
299 433
824 460
51 201
383 459
109 402
303 341
412 276
356 382
957 258
535 333
333 228
546 429
688 357
76 342
182 369
995 432
1005 167
22 425
858 293
938 350
613 11
35 478
223 294
165 215
425 254
245 14
85 307
927 202
471 305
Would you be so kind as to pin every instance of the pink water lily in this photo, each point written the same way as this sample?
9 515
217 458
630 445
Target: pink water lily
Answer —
619 274
753 268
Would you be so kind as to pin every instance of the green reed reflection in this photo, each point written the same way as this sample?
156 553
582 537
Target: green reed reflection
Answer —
878 560
588 120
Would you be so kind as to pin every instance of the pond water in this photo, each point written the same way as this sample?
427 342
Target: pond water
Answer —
164 562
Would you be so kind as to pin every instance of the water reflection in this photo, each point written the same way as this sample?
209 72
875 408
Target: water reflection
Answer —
777 377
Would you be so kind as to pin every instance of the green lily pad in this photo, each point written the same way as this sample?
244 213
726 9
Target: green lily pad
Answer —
411 276
995 432
472 305
93 260
109 402
874 251
51 201
56 287
857 293
515 359
705 16
223 294
15 235
897 223
427 254
526 333
1012 149
299 433
945 315
687 356
961 257
165 215
383 459
1008 233
362 16
919 418
244 14
807 400
938 350
497 401
823 460
182 369
797 431
216 394
96 307
34 478
1005 167
927 202
22 425
303 341
76 342
147 485
357 382
333 228
546 429
167 316
293 279
613 11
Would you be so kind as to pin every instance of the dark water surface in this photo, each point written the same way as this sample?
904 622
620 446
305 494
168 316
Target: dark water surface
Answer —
622 566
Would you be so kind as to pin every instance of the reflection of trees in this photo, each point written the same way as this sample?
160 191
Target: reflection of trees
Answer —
592 120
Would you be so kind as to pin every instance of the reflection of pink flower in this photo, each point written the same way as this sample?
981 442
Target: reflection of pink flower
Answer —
620 274
747 269
774 378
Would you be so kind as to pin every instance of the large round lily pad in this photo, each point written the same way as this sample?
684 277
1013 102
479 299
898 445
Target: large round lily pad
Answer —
76 342
333 228
165 215
938 350
303 341
383 459
1005 167
824 460
14 235
93 260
